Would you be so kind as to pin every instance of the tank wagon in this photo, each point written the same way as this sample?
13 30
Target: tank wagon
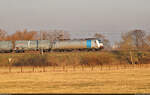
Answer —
6 46
25 45
32 45
47 45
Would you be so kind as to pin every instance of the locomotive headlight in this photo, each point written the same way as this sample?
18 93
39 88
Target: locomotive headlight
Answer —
101 45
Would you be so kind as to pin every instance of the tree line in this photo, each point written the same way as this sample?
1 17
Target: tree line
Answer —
34 35
134 39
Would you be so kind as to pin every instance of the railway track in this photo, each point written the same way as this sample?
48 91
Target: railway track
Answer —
38 52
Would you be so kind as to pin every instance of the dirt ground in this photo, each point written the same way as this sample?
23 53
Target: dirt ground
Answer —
105 81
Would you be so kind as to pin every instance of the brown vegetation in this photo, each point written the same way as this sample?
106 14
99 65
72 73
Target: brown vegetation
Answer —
59 59
134 40
75 58
3 34
34 35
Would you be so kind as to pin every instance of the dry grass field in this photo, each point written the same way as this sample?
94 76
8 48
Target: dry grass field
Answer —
71 75
135 80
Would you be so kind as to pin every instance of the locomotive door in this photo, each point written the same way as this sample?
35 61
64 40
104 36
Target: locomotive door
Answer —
88 43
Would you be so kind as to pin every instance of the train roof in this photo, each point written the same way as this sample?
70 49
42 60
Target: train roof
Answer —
78 39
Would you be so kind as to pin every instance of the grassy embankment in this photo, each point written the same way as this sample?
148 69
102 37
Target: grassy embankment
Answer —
67 58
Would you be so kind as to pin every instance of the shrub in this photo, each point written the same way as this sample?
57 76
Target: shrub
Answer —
100 59
32 60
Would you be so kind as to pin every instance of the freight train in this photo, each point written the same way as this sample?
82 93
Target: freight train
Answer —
47 45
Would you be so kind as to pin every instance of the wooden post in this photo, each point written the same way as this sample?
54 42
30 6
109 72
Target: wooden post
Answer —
41 38
63 68
43 68
92 68
82 67
9 67
117 66
120 61
124 66
33 69
10 63
131 57
54 68
21 68
133 66
140 65
109 66
74 68
101 67
147 65
66 69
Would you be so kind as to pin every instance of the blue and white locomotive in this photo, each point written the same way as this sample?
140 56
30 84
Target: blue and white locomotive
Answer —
88 44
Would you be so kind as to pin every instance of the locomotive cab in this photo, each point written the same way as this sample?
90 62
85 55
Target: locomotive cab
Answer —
99 44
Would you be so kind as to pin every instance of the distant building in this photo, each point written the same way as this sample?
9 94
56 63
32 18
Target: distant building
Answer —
115 46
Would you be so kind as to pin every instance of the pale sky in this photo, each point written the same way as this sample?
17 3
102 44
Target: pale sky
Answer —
79 17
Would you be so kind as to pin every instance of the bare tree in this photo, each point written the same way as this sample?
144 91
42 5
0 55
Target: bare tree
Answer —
138 38
135 39
53 35
3 34
98 35
63 35
22 35
148 41
126 42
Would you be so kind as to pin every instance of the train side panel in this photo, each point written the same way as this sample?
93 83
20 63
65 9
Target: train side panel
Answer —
33 45
44 44
26 45
69 44
6 46
75 44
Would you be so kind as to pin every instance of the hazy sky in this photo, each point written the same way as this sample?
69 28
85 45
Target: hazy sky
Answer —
84 17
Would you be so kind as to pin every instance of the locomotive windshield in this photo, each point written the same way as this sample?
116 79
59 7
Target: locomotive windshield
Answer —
99 41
